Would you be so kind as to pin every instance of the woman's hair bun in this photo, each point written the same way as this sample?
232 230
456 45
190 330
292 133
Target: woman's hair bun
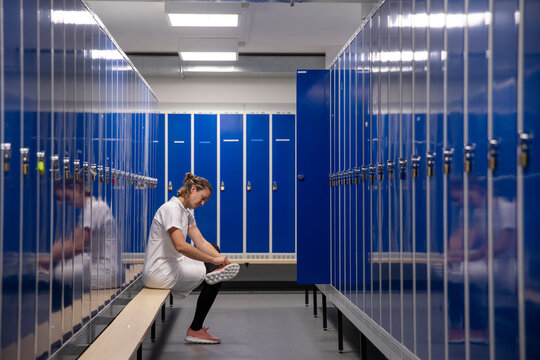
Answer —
189 176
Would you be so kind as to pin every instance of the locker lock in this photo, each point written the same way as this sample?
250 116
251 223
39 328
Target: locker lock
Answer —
430 159
85 170
170 185
364 173
66 167
114 173
274 186
447 159
524 140
76 168
93 171
24 160
493 149
41 162
402 168
372 169
222 186
107 174
249 186
356 175
390 164
6 154
415 164
468 155
55 167
330 180
100 172
381 171
350 176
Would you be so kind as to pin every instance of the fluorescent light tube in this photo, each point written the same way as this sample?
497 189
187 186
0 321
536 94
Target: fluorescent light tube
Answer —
208 56
204 20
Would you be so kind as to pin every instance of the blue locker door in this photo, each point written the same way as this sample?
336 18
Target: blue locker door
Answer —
283 183
419 188
456 290
405 187
345 115
334 155
341 167
504 221
58 195
374 201
231 183
477 186
12 189
367 243
394 92
44 194
531 178
436 186
179 151
258 183
205 166
383 178
353 263
160 192
29 141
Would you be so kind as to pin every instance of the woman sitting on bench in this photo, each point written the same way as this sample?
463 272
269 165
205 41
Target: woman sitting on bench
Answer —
172 263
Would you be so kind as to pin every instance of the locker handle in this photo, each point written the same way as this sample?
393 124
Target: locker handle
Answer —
493 149
274 186
249 186
222 186
76 168
524 140
41 162
6 154
170 185
24 160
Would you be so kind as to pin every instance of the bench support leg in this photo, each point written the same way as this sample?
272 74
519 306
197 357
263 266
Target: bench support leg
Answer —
307 296
170 299
139 352
163 312
314 300
364 346
324 318
153 332
340 331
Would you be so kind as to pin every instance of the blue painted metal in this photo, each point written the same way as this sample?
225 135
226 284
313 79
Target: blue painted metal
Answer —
161 198
231 183
531 182
313 111
334 170
505 48
179 150
367 241
283 174
206 166
346 118
258 183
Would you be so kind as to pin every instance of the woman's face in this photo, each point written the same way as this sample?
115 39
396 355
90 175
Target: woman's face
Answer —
197 198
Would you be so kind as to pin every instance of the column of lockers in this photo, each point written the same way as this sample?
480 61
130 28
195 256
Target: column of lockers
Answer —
66 97
432 148
252 210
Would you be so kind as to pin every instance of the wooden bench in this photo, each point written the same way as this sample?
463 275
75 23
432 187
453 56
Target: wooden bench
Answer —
125 334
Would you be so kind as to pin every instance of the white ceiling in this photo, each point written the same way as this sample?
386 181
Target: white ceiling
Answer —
271 27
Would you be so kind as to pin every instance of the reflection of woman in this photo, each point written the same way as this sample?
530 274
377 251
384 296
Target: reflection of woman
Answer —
172 263
96 231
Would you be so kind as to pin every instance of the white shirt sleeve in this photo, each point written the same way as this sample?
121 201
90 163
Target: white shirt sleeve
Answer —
171 217
191 218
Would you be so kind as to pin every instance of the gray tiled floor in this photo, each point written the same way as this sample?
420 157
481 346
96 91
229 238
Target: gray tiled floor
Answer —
252 326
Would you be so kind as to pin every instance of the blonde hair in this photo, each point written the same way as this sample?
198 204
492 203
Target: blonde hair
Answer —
190 180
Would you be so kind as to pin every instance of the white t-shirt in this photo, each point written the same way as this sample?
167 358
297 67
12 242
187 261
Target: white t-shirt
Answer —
164 266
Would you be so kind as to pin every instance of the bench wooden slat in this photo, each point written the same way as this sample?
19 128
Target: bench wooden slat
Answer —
123 336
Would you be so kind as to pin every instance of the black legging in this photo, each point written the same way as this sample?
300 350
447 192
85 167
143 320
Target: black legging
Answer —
206 297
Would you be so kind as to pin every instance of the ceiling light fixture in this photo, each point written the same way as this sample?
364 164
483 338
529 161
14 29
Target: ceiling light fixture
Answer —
208 56
204 20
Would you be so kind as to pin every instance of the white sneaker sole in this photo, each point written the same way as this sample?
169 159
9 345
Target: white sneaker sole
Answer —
194 340
227 273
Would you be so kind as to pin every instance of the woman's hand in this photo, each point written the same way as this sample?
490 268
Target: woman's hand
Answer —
220 260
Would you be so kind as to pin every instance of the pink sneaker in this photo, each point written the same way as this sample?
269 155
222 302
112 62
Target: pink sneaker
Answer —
201 337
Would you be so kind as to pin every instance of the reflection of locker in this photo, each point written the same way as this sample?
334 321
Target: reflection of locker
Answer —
283 183
231 183
257 183
179 151
206 167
